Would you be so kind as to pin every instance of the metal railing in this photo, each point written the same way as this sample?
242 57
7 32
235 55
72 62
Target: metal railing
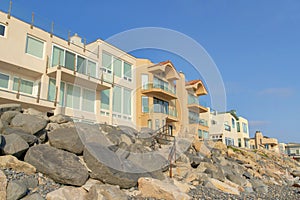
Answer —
168 89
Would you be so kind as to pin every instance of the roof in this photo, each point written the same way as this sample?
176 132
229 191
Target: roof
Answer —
192 82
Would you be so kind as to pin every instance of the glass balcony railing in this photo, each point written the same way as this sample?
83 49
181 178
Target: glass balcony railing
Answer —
227 127
157 108
169 89
203 122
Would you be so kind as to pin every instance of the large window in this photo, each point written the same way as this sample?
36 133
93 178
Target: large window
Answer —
107 61
92 71
233 122
51 89
229 141
62 94
118 67
245 127
4 80
160 106
238 127
58 55
117 99
81 65
145 104
105 99
70 60
34 47
88 100
25 86
2 30
145 80
73 96
127 102
127 71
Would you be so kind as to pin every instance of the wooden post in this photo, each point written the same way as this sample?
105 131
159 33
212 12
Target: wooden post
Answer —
52 29
47 64
19 87
56 93
113 81
59 56
170 168
32 20
39 93
102 77
9 10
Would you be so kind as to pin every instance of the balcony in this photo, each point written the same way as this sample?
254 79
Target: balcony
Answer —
194 105
161 91
99 81
170 111
203 122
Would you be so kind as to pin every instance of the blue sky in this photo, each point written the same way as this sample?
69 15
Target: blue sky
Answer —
255 44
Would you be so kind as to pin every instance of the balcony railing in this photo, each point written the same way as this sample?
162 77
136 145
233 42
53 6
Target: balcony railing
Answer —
171 111
168 89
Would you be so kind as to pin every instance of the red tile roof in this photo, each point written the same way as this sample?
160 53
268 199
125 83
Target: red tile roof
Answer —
192 82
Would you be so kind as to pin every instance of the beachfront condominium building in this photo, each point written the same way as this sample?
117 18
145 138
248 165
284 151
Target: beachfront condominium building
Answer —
260 141
194 114
229 128
90 82
156 100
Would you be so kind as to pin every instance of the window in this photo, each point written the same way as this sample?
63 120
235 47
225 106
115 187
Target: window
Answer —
160 106
240 142
70 60
92 69
73 96
62 94
118 67
145 80
149 123
205 135
193 117
245 127
192 99
106 61
127 70
156 124
200 135
81 65
145 104
233 123
127 102
229 141
105 99
2 30
88 100
58 55
51 89
4 80
34 47
117 99
238 127
25 86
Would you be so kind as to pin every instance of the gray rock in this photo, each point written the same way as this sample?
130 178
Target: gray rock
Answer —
216 174
14 145
259 186
137 148
30 182
107 167
15 190
66 139
60 119
8 116
30 139
63 167
296 173
32 111
28 123
129 131
1 126
108 192
114 137
236 179
33 196
9 107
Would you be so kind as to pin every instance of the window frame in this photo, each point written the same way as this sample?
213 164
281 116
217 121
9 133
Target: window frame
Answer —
38 39
7 81
21 83
5 30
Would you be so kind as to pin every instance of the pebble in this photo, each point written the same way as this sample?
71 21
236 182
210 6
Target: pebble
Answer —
45 186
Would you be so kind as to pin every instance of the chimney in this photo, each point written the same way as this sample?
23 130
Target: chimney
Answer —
75 39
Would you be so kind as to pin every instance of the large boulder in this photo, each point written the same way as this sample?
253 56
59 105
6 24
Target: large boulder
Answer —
3 184
30 139
1 126
9 107
29 123
15 190
107 192
8 116
33 196
12 162
153 188
107 167
14 145
60 119
216 184
67 193
66 139
63 167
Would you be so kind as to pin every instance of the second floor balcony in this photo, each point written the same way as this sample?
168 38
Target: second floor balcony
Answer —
162 91
193 104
